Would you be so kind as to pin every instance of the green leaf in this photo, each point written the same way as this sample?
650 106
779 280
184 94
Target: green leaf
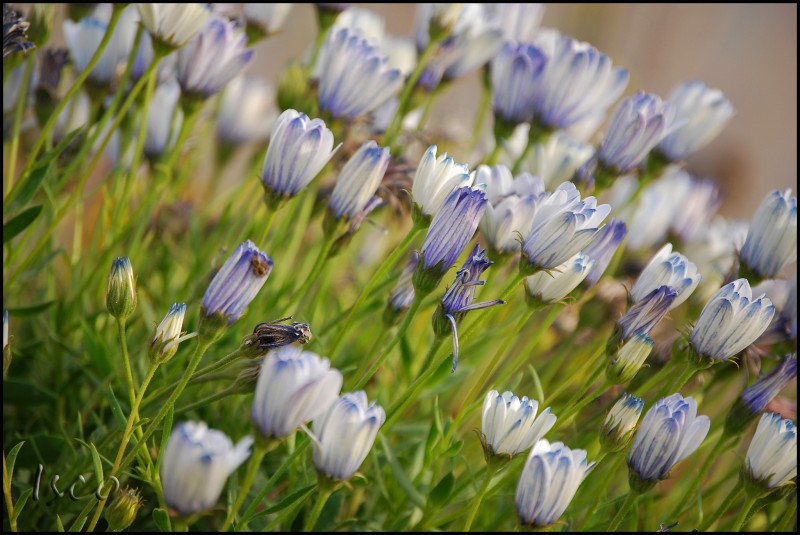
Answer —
401 477
286 502
166 429
12 459
161 518
29 274
20 222
442 490
453 450
537 384
31 186
59 525
116 410
97 463
29 311
23 499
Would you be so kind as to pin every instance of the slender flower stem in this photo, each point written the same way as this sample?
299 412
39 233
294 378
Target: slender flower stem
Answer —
623 511
491 159
582 398
744 513
785 521
262 240
657 379
387 264
685 377
142 135
126 361
719 511
365 376
490 471
437 343
259 451
602 486
76 85
325 492
712 456
577 375
18 112
430 99
299 295
409 393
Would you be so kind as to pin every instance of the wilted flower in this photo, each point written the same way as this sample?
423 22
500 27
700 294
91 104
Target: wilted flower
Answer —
757 396
602 249
647 312
246 112
435 179
294 386
548 287
459 298
197 461
670 432
510 425
514 73
620 423
701 114
730 321
772 456
172 25
354 76
236 283
556 160
122 510
450 231
628 359
667 269
403 294
359 180
562 225
160 135
265 19
551 476
121 292
299 148
772 239
344 434
15 32
212 58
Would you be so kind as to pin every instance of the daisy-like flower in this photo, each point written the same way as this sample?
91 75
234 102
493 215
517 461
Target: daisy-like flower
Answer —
511 425
667 269
172 25
545 288
772 239
772 456
620 423
435 179
757 396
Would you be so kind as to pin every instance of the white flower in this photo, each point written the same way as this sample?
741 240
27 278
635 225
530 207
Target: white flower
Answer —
503 223
702 114
667 269
436 179
557 160
551 476
268 18
247 111
359 180
519 22
772 239
173 24
402 54
772 456
498 180
730 321
670 432
366 23
168 333
344 434
510 425
514 71
620 422
554 285
160 135
294 386
197 461
299 148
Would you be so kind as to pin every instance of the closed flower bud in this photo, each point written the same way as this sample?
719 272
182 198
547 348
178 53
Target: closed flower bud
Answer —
730 321
233 287
168 334
646 313
299 148
359 180
670 432
548 287
172 25
403 294
459 298
434 181
757 396
701 114
515 70
511 425
121 292
772 239
294 386
628 360
121 512
450 231
549 480
344 434
667 269
602 249
212 58
562 225
197 461
771 460
620 423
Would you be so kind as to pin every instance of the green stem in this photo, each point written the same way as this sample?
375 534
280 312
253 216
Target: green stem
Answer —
495 154
299 296
365 376
409 393
18 112
437 343
222 394
430 98
685 377
743 513
622 512
490 471
575 404
259 451
76 85
726 504
139 147
567 383
387 264
311 521
126 361
656 379
785 522
262 240
712 456
602 486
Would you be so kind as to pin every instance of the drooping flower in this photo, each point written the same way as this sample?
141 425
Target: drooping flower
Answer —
670 432
549 480
772 239
294 386
511 425
772 456
343 435
197 461
15 32
667 269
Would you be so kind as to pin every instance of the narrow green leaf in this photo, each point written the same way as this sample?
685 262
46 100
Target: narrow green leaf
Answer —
437 418
31 186
165 431
161 518
454 448
20 222
286 502
29 311
442 490
97 463
59 525
116 410
537 384
12 459
402 479
20 505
